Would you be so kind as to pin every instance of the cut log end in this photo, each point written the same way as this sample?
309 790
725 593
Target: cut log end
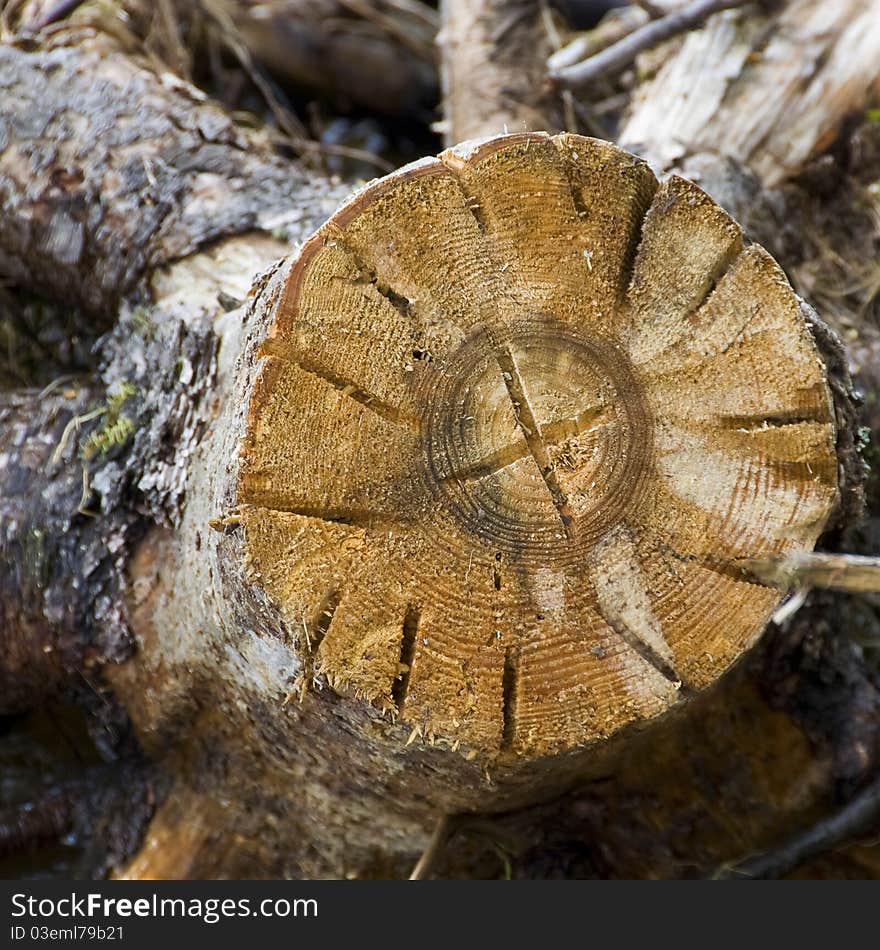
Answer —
522 412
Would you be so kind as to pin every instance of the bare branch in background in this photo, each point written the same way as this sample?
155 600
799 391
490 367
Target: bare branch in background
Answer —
616 58
860 816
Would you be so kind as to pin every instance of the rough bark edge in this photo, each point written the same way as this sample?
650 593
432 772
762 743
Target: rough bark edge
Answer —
109 171
852 468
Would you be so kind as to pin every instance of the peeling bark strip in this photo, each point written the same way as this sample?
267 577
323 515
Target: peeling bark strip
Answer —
108 171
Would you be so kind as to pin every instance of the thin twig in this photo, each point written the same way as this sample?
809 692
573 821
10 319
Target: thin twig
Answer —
845 572
72 426
617 25
58 381
429 855
785 611
174 45
331 148
586 116
855 819
291 125
654 11
56 12
232 38
618 56
555 40
419 11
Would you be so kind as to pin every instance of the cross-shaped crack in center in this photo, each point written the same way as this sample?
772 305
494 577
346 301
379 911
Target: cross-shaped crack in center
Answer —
531 430
554 433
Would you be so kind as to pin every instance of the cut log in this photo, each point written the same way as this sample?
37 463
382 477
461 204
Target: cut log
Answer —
522 412
219 690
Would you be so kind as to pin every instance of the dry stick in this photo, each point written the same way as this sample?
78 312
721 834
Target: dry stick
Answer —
279 137
844 572
654 11
617 57
570 115
61 9
622 22
175 45
234 41
418 10
429 855
855 819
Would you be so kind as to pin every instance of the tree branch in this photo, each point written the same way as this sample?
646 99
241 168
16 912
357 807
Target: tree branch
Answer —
855 819
616 58
844 572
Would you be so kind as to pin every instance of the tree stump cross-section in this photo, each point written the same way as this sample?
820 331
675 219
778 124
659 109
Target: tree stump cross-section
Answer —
522 410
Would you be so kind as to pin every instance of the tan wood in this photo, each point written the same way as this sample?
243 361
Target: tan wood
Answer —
521 411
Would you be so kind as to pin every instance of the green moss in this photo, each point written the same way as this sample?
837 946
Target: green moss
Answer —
141 323
117 427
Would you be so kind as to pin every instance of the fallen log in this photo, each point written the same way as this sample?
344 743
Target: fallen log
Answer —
230 689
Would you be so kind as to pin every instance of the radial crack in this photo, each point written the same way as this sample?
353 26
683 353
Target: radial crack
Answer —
400 302
725 567
624 600
323 618
592 418
531 431
645 651
724 264
770 420
491 464
509 680
356 517
553 433
407 653
341 384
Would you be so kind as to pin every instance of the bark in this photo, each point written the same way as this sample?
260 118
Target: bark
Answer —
108 172
93 247
214 688
51 625
493 56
